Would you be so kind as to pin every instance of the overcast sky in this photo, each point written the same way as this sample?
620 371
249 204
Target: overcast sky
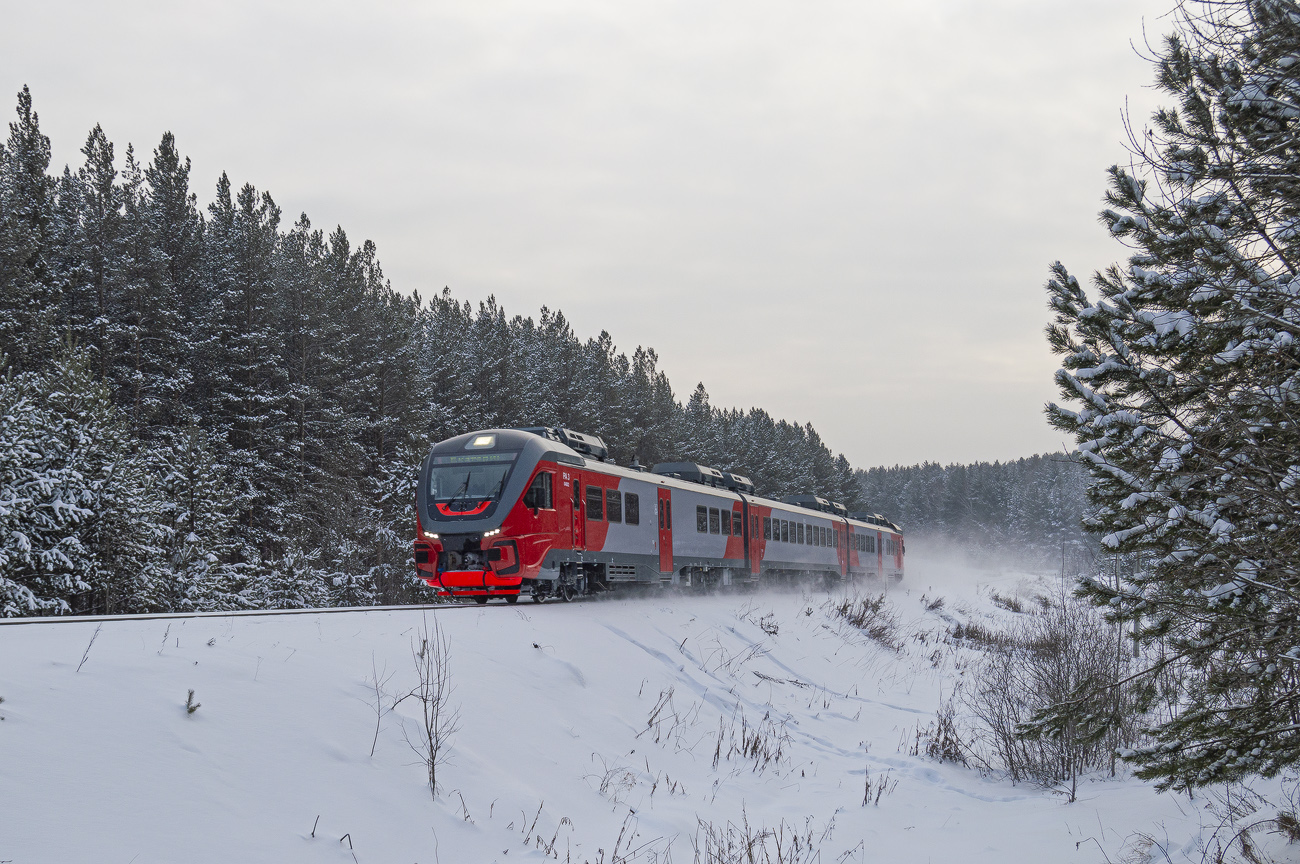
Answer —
840 212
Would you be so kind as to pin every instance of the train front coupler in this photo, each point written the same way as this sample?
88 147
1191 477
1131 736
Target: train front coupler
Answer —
466 568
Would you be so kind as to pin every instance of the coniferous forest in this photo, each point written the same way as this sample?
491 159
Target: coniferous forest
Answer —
1028 512
217 407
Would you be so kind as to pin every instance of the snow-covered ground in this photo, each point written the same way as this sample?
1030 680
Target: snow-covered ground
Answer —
556 751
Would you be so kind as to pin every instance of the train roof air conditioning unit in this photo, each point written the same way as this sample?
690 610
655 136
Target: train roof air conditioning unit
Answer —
691 471
737 482
587 445
811 502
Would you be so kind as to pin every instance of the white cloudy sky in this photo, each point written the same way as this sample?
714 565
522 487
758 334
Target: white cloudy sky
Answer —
841 212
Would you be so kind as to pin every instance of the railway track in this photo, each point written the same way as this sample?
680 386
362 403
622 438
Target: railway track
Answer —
240 613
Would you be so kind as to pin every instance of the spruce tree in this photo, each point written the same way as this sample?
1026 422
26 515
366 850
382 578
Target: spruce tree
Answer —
29 300
1185 377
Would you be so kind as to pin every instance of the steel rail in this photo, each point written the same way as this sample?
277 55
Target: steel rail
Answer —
236 613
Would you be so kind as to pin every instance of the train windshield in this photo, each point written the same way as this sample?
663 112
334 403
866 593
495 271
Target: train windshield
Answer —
459 484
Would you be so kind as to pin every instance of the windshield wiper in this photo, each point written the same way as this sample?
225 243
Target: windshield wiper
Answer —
461 491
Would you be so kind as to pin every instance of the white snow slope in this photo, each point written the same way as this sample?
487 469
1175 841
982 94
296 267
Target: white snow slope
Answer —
554 756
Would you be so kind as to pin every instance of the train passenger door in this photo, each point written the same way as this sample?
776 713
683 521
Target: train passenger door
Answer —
665 509
579 516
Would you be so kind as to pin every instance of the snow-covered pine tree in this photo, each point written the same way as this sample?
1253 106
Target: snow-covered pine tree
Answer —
29 302
198 512
1186 373
80 530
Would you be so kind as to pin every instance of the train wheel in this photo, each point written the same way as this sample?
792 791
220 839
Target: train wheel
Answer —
482 601
566 591
512 598
539 597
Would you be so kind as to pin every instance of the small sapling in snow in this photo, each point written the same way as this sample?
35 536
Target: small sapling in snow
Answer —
438 719
91 644
190 705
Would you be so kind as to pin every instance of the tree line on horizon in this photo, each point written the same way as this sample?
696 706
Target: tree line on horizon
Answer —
1026 512
208 408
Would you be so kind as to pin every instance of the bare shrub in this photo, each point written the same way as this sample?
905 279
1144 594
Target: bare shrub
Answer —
438 719
764 743
1242 820
1067 661
613 782
747 844
719 659
976 635
941 740
376 684
872 793
629 847
873 616
1011 604
666 725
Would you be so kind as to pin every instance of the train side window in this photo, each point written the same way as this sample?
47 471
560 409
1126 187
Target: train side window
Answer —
726 523
659 508
540 494
614 505
702 519
595 503
632 509
715 521
801 532
785 531
767 527
668 516
821 535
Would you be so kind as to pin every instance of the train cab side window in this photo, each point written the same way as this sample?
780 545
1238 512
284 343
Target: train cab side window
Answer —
715 521
767 527
726 523
785 531
540 494
614 505
632 509
595 503
702 519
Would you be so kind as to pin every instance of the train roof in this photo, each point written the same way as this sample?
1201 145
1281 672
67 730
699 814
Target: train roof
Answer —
580 450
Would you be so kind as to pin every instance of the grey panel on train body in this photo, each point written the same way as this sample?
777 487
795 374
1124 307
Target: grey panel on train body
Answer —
782 555
688 542
642 539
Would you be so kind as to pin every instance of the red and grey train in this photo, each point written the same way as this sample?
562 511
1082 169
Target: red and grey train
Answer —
544 511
